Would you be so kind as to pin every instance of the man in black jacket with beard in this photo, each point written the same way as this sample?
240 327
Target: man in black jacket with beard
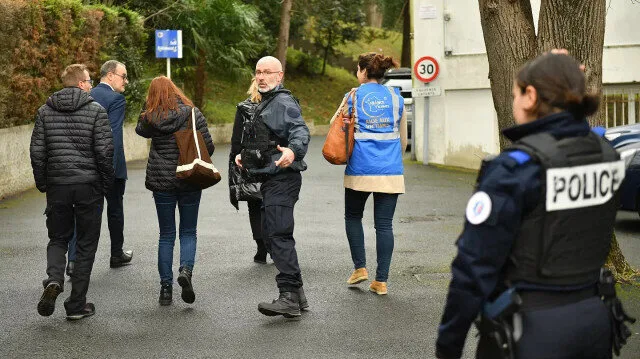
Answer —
273 148
72 159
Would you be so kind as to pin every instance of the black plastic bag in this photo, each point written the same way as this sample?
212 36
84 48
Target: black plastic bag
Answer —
242 185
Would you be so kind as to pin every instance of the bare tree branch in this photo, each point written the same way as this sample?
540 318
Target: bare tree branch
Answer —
160 11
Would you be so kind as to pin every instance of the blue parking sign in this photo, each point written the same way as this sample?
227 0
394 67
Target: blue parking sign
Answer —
169 44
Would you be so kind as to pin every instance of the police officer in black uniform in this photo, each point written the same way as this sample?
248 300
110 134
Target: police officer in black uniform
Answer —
273 147
538 230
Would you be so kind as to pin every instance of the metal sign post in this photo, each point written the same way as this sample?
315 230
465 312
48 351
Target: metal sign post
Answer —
169 46
426 69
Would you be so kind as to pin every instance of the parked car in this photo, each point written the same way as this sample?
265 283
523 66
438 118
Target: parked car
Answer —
625 138
400 78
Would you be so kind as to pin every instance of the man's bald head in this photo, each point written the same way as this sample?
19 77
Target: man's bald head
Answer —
268 73
270 61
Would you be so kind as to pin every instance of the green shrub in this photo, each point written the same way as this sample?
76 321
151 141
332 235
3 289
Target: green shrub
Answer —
301 62
40 38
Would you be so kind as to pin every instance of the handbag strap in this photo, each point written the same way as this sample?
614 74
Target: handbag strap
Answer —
352 118
195 134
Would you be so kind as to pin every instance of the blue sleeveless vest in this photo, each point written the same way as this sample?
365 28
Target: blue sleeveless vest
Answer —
377 149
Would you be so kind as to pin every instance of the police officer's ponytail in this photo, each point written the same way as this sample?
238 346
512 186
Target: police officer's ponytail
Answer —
376 64
560 84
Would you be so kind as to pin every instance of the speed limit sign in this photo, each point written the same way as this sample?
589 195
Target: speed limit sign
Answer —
426 69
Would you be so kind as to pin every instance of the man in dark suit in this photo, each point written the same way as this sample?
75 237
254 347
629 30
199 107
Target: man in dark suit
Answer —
109 94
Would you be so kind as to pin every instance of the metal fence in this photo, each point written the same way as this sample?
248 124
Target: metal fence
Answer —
621 105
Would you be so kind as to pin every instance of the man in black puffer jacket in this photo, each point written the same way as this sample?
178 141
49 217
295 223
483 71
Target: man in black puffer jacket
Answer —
72 160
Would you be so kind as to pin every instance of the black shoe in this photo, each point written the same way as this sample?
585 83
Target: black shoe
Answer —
88 310
261 252
121 260
302 299
166 294
184 279
260 257
70 267
286 305
47 303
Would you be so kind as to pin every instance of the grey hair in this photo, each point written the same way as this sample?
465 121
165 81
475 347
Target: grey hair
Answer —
109 66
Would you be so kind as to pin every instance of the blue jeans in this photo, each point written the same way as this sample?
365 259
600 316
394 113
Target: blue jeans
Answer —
384 207
188 205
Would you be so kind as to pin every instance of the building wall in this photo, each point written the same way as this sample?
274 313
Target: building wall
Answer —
460 125
16 174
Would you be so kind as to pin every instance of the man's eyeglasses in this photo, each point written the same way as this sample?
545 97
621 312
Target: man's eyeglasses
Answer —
89 81
258 73
124 77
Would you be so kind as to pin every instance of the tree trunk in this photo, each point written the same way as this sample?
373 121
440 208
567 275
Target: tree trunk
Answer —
324 59
374 17
326 51
283 36
510 39
578 26
405 58
200 79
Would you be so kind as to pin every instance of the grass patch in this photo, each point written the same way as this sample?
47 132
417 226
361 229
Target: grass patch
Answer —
387 42
319 96
222 98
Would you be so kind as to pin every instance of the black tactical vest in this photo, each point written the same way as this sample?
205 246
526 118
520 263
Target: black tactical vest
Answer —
258 141
559 246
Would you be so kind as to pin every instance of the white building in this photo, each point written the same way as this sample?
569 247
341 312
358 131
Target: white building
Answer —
459 127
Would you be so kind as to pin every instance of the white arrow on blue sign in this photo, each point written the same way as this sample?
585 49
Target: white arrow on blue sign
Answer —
169 44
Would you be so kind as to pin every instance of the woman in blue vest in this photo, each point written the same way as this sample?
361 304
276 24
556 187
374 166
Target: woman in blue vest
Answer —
375 166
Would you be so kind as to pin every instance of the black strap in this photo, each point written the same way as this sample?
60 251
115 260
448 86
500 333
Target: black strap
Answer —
542 146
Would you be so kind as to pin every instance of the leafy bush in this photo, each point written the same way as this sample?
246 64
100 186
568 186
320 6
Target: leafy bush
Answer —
41 37
301 62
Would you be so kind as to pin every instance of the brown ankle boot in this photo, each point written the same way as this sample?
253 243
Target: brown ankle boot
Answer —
358 275
380 288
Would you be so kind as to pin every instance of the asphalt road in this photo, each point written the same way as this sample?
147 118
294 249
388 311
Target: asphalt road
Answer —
224 321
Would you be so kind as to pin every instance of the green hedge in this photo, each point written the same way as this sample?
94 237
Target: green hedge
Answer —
39 38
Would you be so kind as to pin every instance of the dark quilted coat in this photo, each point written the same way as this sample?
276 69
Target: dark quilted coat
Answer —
163 155
72 142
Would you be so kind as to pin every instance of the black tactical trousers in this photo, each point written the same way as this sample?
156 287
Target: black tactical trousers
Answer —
255 219
279 195
69 205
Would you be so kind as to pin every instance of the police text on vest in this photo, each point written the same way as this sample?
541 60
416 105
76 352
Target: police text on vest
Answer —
583 186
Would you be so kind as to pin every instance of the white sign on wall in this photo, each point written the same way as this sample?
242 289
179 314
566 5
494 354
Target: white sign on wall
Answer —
427 91
427 11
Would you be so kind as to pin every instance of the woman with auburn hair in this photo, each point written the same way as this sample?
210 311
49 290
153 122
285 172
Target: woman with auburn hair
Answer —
242 185
166 111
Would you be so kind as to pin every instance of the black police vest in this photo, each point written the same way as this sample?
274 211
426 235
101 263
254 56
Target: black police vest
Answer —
567 247
258 141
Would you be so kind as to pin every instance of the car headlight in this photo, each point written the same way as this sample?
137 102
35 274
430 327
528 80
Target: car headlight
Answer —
612 136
